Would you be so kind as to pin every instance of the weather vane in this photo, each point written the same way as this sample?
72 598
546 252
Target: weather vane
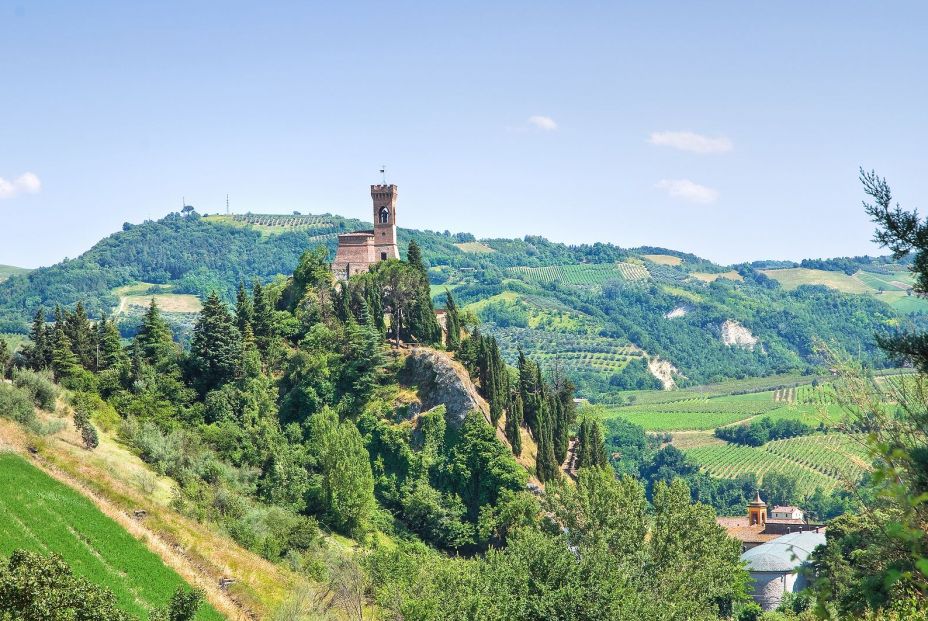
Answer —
383 171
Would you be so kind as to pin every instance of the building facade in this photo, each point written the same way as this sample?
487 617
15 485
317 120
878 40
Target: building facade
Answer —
776 567
358 250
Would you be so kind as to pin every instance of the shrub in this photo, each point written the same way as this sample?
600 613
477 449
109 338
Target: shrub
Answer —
17 405
39 386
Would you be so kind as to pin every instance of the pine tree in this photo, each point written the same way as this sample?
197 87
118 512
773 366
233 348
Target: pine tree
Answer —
110 353
422 323
244 309
154 340
5 356
64 362
80 332
216 347
40 353
514 424
591 447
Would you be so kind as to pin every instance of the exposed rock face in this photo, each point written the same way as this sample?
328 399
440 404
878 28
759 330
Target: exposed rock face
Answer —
679 311
735 334
664 371
442 381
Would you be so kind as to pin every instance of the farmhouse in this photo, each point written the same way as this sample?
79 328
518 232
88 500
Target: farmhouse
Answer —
358 250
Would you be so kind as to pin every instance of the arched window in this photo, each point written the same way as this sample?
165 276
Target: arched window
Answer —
384 215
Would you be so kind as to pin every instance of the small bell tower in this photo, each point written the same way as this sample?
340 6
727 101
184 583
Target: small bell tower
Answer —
384 197
757 511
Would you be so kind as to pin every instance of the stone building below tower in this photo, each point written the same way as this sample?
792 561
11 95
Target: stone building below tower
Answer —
358 250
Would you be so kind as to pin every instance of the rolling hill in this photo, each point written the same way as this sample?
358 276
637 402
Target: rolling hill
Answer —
8 270
613 318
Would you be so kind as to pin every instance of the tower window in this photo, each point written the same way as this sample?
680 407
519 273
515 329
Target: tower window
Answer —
383 256
384 215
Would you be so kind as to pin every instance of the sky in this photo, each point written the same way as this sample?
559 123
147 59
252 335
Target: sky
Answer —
733 130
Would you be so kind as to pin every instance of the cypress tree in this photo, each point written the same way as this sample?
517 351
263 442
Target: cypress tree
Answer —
263 319
244 309
422 323
514 423
452 323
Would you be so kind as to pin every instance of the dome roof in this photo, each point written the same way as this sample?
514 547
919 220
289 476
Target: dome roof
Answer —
757 502
783 554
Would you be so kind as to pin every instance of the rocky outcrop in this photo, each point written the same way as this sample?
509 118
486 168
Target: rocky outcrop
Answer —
439 380
736 335
679 311
664 371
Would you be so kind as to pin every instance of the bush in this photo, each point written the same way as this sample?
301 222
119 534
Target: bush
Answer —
39 386
17 405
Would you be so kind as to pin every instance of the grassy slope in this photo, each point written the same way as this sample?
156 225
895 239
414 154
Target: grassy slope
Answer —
112 478
8 270
893 289
38 513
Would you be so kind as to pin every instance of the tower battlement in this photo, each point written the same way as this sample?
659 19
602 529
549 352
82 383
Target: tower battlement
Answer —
358 250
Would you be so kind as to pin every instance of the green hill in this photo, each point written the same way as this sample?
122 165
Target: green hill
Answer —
8 270
40 514
613 318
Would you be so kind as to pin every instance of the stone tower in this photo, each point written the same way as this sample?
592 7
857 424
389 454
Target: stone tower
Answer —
384 197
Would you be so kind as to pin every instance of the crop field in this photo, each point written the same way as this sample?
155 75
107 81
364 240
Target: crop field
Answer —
663 259
40 514
633 271
824 461
696 412
793 277
585 275
707 277
474 248
323 226
570 351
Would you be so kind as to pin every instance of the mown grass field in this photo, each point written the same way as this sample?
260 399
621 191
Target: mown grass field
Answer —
707 277
474 247
663 259
40 514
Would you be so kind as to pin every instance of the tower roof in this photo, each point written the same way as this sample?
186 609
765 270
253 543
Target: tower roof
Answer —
757 502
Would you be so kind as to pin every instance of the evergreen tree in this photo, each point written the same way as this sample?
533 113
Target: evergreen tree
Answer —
591 446
5 357
452 323
216 347
81 334
514 424
263 319
423 325
64 362
110 353
154 342
40 353
244 309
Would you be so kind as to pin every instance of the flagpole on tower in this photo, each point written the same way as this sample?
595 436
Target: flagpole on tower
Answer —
383 171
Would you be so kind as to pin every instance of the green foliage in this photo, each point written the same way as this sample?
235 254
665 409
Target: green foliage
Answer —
39 386
345 482
216 348
34 587
762 431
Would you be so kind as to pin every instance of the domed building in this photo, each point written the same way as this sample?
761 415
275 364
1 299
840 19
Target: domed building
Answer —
775 566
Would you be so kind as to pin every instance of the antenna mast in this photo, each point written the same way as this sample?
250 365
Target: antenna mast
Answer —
227 204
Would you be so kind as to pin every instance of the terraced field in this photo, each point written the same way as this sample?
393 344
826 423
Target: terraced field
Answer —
818 461
40 514
571 351
590 274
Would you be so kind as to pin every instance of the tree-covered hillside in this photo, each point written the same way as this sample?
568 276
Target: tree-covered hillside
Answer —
611 318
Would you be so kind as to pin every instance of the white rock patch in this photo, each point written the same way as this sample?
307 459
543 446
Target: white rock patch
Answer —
736 335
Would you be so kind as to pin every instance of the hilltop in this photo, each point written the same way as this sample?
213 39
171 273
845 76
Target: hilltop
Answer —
613 318
8 270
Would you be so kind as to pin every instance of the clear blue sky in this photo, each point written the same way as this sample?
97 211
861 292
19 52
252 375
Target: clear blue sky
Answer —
565 119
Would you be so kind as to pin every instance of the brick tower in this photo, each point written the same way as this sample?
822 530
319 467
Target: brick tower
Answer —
384 197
